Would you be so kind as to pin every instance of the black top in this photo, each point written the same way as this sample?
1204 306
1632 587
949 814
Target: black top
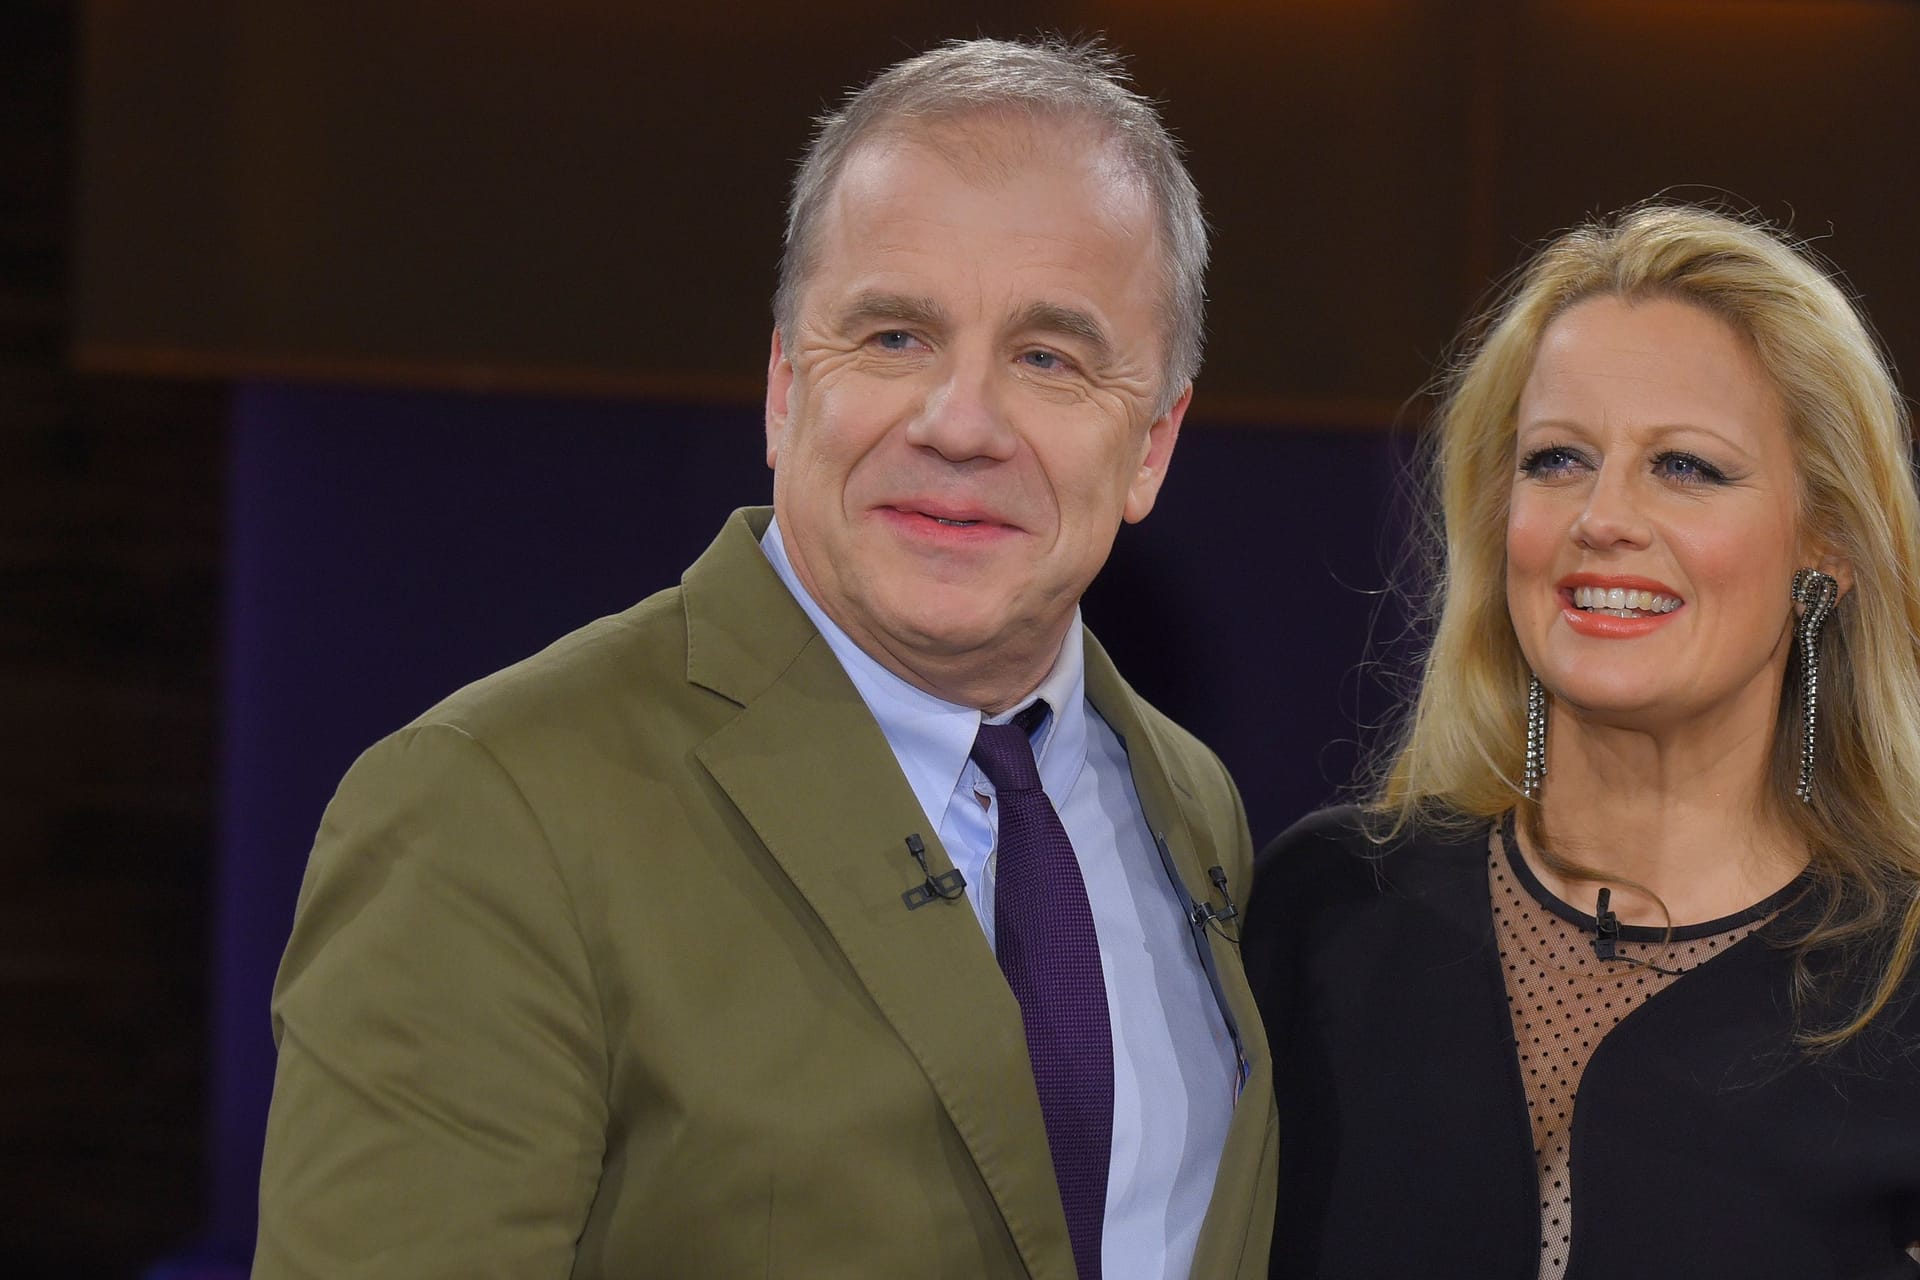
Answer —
1705 1143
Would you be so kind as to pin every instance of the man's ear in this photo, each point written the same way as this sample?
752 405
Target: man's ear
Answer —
1155 453
779 389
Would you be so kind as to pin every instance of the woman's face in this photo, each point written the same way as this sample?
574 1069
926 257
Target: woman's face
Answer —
1653 533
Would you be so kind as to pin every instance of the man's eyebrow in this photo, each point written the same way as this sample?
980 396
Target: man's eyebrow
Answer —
892 308
1071 322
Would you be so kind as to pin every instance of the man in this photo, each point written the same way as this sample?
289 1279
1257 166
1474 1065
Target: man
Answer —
841 912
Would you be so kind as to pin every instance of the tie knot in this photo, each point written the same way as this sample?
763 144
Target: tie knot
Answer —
1004 752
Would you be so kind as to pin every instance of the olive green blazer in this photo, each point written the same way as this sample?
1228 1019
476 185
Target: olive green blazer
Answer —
601 969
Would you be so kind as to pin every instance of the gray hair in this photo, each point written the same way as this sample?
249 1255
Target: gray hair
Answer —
1052 78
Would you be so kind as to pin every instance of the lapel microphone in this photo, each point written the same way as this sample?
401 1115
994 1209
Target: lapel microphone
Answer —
1229 912
1606 926
1201 915
945 887
1606 937
1207 916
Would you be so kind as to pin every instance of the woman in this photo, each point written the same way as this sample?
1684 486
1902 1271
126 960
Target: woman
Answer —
1611 976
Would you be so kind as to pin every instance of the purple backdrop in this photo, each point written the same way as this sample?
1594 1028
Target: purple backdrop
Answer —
388 546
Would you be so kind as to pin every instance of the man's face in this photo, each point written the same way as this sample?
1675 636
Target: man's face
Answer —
964 414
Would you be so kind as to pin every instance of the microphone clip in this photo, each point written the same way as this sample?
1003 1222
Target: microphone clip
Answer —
1201 913
944 887
1606 927
1229 912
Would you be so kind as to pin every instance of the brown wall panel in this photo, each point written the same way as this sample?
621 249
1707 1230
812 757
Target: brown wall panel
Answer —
549 193
587 195
1808 112
1330 143
151 222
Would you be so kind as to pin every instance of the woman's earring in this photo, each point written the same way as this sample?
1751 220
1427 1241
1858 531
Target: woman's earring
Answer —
1816 593
1536 737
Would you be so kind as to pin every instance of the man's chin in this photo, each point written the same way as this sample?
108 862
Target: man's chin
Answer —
952 627
951 637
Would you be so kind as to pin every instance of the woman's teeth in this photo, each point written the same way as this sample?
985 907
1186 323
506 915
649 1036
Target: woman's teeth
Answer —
1623 603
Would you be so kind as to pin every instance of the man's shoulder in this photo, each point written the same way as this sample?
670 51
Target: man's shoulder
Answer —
649 656
640 652
1179 749
1130 716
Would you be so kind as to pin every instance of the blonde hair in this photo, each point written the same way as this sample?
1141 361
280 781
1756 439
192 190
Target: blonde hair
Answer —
1458 755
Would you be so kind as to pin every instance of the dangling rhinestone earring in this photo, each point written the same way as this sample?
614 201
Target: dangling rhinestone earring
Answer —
1536 737
1816 593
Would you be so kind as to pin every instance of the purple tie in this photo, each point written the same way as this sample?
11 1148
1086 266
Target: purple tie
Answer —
1043 932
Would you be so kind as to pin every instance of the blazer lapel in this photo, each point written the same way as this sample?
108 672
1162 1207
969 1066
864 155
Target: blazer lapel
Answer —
807 766
1238 1188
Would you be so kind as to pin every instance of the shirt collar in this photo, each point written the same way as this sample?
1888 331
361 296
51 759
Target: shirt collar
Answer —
931 737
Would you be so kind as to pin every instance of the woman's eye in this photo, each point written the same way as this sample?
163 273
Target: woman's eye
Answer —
1688 469
1553 460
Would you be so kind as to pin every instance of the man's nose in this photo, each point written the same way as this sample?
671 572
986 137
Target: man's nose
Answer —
1612 515
965 414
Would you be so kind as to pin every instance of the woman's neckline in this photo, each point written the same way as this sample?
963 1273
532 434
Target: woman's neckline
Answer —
1517 862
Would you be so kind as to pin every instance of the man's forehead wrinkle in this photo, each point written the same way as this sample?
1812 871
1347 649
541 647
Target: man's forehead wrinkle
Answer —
990 150
990 146
873 220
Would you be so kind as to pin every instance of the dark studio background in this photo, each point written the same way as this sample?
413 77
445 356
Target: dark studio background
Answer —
351 350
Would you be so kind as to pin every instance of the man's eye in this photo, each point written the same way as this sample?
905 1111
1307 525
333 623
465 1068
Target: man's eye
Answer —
1044 360
893 340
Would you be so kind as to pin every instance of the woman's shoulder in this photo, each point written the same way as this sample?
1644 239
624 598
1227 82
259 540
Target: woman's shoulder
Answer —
1349 839
1341 826
1834 982
1350 881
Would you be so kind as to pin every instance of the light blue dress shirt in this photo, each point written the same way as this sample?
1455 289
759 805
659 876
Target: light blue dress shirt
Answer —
1174 1066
